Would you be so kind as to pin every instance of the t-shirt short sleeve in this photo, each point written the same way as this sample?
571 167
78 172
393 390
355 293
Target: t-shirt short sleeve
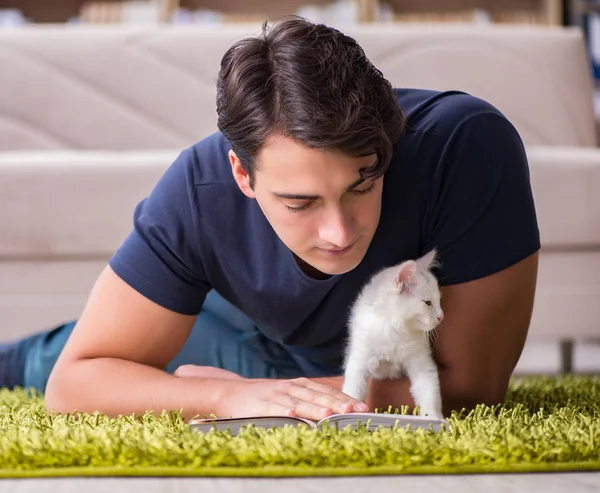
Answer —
481 215
161 257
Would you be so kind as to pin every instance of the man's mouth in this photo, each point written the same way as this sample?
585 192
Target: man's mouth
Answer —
338 251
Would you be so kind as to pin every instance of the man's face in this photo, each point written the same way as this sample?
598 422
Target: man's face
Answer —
316 202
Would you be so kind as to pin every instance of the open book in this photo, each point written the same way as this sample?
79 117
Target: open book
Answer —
372 420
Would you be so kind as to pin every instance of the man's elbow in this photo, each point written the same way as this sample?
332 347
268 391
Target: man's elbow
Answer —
467 392
54 395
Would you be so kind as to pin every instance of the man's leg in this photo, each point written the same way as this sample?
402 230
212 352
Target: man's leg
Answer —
16 361
222 337
218 339
40 353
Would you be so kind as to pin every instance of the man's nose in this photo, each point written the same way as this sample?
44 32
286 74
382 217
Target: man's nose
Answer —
336 229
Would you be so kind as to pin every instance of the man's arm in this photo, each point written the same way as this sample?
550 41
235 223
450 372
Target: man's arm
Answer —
479 342
113 363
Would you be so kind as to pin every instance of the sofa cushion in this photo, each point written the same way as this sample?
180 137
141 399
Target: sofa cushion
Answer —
81 203
72 203
566 187
138 87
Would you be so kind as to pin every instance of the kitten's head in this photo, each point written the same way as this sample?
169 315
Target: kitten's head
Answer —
420 291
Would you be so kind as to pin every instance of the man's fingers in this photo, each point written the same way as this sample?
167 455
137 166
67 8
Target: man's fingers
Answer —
278 409
336 394
300 407
323 396
299 397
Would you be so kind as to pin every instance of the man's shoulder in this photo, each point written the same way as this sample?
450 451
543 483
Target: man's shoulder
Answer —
208 162
440 113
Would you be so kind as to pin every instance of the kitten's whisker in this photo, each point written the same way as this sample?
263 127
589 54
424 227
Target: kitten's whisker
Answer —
426 338
434 337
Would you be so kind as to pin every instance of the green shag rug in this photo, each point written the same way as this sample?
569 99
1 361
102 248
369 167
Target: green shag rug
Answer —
545 424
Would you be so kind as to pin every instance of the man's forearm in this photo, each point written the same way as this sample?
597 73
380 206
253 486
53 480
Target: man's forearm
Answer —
456 393
114 386
386 393
396 393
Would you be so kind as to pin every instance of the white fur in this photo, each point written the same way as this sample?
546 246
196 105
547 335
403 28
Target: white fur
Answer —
389 329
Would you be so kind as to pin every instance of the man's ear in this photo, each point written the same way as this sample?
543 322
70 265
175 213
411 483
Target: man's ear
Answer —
240 176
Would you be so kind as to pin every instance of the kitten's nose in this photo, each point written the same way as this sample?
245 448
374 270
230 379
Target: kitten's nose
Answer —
440 318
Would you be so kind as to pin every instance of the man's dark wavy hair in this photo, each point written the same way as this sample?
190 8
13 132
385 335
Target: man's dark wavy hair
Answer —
311 83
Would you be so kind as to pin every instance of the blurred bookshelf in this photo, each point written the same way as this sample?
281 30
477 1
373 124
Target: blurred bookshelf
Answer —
536 12
585 14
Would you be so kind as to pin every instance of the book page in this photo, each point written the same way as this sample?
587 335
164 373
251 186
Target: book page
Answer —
234 424
374 420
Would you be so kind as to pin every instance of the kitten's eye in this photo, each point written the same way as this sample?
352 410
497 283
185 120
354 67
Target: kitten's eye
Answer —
428 303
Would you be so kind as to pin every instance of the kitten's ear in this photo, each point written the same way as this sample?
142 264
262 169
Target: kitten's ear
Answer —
405 275
428 260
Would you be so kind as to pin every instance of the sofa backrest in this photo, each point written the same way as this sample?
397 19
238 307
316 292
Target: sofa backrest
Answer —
139 88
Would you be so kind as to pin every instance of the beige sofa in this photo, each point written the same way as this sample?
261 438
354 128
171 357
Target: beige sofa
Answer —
91 116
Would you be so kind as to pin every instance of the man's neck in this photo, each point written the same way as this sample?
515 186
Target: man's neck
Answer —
310 271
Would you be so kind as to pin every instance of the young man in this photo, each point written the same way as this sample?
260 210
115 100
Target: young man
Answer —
230 295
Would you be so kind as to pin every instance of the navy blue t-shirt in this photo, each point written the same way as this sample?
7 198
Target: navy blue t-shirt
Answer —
458 181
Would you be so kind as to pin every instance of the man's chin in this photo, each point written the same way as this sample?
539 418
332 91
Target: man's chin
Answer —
335 267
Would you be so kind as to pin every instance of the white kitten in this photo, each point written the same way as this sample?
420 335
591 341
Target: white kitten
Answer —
389 328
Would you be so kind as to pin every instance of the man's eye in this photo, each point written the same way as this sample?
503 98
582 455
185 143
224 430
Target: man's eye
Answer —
364 190
298 208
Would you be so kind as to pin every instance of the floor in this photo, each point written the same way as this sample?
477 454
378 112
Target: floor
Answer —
545 357
513 483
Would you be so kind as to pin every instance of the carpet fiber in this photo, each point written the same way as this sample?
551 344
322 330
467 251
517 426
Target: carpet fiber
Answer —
545 424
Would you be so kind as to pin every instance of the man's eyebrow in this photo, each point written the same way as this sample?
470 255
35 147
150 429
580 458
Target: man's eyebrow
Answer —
296 196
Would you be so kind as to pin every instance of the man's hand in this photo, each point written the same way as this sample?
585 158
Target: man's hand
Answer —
478 344
300 397
270 397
